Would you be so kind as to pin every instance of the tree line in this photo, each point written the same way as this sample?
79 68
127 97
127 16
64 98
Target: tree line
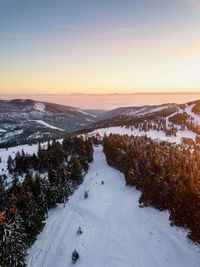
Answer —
24 206
167 175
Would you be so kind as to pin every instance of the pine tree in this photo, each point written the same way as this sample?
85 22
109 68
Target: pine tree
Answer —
52 176
13 246
10 164
51 194
2 196
39 193
33 216
76 171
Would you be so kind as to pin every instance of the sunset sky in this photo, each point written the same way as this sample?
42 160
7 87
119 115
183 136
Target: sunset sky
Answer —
93 46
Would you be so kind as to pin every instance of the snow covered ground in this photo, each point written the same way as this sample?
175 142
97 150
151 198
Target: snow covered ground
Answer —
152 133
86 113
146 110
47 125
39 106
116 232
192 114
4 153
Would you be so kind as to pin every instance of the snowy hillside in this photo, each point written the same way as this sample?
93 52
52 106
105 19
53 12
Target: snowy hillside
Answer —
25 120
153 134
4 154
137 111
169 122
28 121
116 232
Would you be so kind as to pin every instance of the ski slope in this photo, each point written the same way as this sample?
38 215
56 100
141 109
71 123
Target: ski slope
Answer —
153 134
116 232
47 125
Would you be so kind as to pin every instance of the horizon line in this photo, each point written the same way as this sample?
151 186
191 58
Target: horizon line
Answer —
103 94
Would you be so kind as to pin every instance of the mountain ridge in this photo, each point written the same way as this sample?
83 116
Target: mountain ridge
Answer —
27 120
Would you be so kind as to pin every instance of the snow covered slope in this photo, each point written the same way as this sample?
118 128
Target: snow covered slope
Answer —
153 134
169 122
47 125
26 120
137 110
4 154
116 232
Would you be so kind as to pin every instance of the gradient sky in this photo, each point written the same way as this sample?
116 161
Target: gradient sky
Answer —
99 46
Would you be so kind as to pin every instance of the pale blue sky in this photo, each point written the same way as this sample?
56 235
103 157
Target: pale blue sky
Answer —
69 46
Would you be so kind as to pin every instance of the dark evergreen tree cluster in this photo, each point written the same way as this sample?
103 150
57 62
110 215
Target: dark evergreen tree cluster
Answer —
53 157
160 123
167 175
157 124
24 206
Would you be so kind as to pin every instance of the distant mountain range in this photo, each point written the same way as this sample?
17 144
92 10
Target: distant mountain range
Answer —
167 120
26 121
135 111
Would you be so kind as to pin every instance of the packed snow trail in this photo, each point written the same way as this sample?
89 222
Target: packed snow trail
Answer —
116 232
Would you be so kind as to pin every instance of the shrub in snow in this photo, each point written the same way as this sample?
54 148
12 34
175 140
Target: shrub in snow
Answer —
86 194
75 256
79 231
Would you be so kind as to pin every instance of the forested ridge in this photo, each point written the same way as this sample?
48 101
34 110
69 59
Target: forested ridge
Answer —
167 175
24 206
170 121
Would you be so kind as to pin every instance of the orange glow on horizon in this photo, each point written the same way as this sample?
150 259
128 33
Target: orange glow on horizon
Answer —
148 52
